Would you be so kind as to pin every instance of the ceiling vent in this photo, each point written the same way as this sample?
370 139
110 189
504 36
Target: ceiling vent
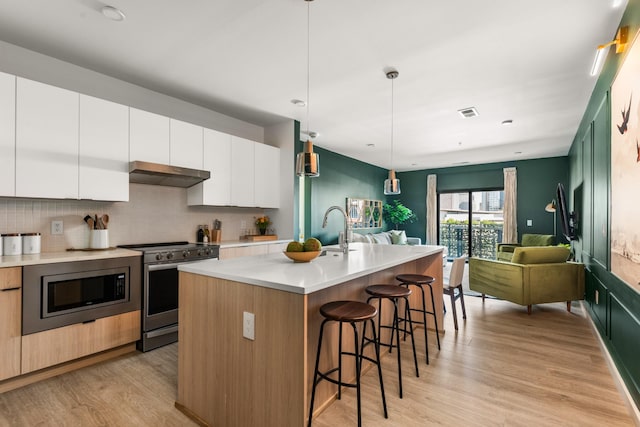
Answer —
468 112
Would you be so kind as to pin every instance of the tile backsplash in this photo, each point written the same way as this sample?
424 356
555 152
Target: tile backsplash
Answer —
153 214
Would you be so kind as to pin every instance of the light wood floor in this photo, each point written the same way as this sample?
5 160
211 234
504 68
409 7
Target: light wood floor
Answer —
502 368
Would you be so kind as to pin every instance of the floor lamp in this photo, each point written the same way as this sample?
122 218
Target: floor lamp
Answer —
551 207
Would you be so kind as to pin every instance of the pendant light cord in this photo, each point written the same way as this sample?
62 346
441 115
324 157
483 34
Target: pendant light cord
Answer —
392 123
308 61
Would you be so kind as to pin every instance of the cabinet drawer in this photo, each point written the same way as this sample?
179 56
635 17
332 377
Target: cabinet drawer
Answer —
48 348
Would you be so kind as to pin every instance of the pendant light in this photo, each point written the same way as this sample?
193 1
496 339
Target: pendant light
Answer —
308 162
392 184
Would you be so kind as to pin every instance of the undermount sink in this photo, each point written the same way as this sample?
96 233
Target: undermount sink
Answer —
336 249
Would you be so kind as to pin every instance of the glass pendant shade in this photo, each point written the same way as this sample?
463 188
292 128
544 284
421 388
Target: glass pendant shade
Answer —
308 162
391 184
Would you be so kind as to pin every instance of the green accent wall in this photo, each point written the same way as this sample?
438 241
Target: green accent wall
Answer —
537 182
613 305
340 177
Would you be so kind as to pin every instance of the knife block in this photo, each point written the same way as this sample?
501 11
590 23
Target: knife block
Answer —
216 236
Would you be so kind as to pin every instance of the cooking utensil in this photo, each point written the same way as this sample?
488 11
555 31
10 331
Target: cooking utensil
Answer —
104 219
88 218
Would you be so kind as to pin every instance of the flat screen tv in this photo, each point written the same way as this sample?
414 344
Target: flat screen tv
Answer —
568 220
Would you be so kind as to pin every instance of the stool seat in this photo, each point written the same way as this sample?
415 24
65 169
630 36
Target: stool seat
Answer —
418 279
348 311
388 291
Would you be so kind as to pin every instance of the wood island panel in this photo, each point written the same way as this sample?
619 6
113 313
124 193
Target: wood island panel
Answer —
227 380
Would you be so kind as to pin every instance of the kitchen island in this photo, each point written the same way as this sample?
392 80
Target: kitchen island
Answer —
225 379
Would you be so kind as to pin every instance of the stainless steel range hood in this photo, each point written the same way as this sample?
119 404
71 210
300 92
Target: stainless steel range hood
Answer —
172 176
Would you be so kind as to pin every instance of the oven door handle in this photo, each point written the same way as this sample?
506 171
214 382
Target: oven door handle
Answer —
156 267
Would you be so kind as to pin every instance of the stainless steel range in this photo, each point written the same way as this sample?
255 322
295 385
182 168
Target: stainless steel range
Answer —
160 287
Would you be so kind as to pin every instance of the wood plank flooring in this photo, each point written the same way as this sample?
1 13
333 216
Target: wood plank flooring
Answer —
502 367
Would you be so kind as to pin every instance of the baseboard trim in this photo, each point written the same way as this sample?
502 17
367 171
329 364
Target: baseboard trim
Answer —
617 378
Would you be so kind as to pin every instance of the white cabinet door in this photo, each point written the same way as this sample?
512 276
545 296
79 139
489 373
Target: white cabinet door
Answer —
215 191
186 145
242 172
7 135
148 137
46 141
104 150
267 176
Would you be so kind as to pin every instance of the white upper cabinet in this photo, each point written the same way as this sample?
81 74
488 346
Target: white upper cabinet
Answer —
7 135
186 145
242 172
104 150
215 191
267 176
148 137
46 141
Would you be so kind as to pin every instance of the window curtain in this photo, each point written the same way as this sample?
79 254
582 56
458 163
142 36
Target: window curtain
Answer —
432 211
510 228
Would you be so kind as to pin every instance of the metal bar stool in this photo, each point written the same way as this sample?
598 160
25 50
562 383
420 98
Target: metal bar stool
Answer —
351 312
421 281
392 293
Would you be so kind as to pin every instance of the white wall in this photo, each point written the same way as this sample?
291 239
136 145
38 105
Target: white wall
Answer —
282 136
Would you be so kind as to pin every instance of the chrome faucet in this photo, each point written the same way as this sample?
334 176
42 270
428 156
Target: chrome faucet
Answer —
344 244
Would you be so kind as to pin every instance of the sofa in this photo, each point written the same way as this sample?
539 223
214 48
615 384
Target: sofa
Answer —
535 275
391 237
505 250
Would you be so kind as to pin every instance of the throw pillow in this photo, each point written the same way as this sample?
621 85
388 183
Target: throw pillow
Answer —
398 237
382 238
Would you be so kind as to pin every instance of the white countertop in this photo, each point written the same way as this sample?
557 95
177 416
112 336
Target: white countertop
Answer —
279 272
66 256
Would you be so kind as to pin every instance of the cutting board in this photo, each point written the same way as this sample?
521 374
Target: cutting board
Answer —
260 237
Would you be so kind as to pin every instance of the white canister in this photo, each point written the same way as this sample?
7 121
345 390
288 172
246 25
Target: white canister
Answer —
99 239
11 244
30 243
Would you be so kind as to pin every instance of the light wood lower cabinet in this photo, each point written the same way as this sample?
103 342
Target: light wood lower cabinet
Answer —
48 348
10 321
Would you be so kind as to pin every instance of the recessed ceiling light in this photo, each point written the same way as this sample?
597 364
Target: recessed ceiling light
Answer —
507 122
517 152
371 145
298 103
468 112
113 13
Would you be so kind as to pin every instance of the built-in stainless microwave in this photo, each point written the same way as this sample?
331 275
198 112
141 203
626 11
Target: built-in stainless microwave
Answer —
61 294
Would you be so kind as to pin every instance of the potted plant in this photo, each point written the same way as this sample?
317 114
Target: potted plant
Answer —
396 213
262 223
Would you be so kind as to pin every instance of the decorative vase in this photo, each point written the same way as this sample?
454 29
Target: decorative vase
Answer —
262 231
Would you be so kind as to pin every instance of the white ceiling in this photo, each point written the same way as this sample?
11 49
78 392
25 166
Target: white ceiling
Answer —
527 61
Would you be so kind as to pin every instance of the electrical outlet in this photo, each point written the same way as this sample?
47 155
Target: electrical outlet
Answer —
248 325
57 227
529 223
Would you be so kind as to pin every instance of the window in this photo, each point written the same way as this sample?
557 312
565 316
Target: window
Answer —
470 222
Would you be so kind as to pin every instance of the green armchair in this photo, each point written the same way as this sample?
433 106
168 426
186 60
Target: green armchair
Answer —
536 275
505 250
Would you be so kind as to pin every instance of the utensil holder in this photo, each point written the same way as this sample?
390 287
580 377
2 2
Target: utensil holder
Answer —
99 239
216 236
